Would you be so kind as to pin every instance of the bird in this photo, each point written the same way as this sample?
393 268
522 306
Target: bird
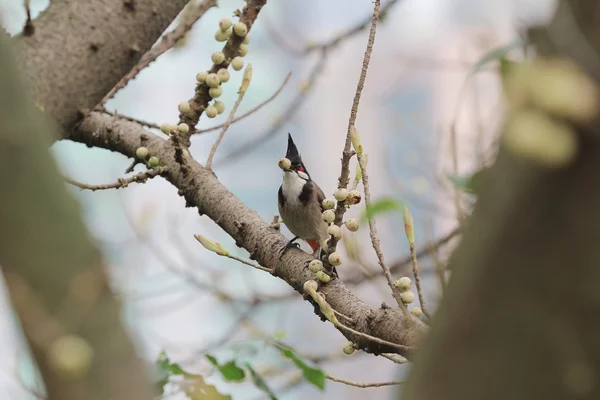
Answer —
300 202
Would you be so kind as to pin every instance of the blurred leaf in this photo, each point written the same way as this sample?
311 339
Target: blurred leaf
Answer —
260 383
382 205
196 388
316 376
280 335
165 365
229 370
497 54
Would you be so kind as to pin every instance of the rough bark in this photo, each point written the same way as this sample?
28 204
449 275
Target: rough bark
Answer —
521 317
201 189
81 49
53 272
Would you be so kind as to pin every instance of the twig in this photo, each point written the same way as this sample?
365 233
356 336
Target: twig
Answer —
393 358
137 121
289 112
260 267
28 29
168 41
374 339
142 177
413 255
251 111
347 154
362 385
201 98
295 105
242 92
132 166
398 265
375 239
352 31
339 314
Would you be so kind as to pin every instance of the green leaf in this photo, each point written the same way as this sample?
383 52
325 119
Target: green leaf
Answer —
383 205
497 54
229 370
260 383
316 376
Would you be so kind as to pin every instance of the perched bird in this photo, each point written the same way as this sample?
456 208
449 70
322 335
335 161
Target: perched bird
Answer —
300 202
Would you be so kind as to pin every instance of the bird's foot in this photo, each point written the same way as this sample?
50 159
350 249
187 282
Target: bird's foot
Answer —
289 245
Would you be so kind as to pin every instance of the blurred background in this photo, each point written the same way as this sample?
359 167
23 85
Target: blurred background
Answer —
428 117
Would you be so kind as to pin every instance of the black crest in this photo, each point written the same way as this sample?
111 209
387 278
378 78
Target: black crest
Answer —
292 152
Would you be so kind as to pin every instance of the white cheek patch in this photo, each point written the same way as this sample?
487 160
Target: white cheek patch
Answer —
302 175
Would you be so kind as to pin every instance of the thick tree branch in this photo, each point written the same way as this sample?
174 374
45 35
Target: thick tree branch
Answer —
201 189
73 59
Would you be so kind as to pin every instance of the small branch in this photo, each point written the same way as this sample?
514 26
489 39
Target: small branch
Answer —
347 154
28 29
249 263
339 314
362 385
201 98
168 41
132 166
251 111
350 32
375 239
137 121
392 357
142 177
242 92
413 255
398 265
374 339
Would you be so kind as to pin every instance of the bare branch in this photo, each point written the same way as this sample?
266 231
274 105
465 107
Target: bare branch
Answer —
415 268
121 183
347 154
362 385
375 242
136 120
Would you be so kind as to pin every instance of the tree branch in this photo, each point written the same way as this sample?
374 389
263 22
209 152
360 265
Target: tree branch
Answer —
72 60
201 189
